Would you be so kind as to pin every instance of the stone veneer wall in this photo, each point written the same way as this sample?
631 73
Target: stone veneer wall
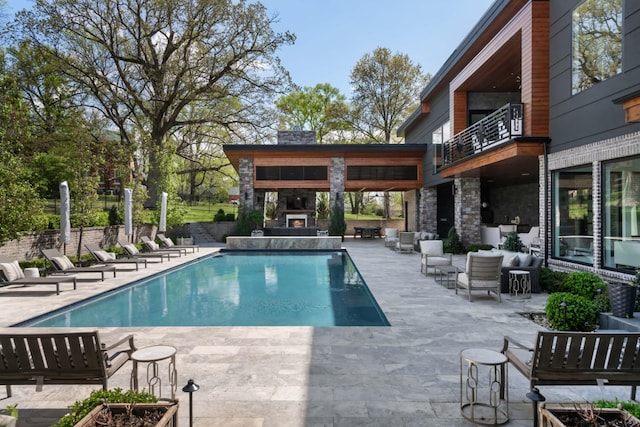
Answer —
467 209
296 137
336 177
245 174
29 245
428 210
595 153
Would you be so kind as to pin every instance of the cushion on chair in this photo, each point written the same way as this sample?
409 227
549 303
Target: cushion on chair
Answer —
436 260
11 271
153 245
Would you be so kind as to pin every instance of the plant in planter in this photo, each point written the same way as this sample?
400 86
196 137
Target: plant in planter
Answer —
82 408
512 243
9 417
622 297
586 416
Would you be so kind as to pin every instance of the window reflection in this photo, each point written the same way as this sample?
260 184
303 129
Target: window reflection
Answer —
622 214
597 42
573 215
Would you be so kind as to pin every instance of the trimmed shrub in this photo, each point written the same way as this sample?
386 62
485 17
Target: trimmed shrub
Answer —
580 312
219 216
552 281
453 244
584 284
512 242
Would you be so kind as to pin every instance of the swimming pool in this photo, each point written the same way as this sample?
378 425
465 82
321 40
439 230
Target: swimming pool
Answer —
239 288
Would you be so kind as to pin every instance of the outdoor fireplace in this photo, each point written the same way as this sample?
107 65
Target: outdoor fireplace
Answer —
296 220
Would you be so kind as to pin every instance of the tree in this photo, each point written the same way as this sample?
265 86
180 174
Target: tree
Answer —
321 108
144 62
20 204
386 88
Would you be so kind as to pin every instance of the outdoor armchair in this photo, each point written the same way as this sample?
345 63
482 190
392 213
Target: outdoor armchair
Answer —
432 254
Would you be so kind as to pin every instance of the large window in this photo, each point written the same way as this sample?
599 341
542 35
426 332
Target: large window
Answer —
573 215
621 212
597 42
439 136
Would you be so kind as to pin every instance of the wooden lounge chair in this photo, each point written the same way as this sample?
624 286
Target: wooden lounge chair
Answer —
482 274
62 265
166 242
12 274
42 358
155 248
102 256
132 252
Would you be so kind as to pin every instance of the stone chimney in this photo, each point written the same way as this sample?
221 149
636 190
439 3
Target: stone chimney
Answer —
296 137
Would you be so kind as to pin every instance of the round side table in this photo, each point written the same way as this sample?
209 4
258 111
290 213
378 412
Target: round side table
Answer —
519 284
31 272
152 356
484 388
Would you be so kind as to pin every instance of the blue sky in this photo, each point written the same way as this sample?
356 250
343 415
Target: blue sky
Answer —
332 35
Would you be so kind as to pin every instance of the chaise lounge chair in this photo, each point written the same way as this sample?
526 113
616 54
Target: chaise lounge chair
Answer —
167 243
155 248
102 256
132 252
63 265
12 274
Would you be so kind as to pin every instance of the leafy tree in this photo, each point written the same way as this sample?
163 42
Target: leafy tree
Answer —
144 62
321 108
385 89
20 204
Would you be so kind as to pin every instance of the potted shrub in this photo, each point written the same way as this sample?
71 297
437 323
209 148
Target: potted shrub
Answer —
118 401
587 415
512 243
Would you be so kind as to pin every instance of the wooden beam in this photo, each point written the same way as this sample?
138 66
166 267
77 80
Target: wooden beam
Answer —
632 110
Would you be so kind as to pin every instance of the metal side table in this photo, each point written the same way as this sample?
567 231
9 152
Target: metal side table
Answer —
484 388
152 356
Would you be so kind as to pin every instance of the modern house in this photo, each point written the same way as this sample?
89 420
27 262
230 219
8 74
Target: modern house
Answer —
535 121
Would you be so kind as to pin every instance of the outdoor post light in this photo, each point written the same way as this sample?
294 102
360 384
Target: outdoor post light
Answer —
190 388
536 398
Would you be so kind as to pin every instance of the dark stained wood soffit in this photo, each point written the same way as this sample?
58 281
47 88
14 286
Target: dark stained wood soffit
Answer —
511 161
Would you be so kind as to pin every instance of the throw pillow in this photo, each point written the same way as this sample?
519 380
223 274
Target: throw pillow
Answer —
525 260
153 246
514 261
12 271
102 255
62 262
131 249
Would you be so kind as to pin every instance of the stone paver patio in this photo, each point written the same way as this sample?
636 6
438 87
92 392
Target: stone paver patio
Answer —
403 375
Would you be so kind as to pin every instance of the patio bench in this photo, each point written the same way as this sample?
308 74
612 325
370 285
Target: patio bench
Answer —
60 358
578 358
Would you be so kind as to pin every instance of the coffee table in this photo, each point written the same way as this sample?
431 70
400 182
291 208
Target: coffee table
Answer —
446 272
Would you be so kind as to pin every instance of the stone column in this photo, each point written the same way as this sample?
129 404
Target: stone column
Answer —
428 210
467 209
245 172
336 177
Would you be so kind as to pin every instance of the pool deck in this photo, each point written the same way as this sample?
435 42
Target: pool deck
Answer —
403 375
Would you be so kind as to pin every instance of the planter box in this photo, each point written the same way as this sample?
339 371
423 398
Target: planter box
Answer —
170 418
184 241
553 417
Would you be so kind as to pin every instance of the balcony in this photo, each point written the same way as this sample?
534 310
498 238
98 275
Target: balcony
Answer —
501 126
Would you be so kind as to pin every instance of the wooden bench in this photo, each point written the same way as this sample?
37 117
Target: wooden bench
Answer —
60 358
578 358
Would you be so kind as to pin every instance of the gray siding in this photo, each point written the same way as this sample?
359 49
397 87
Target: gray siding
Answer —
591 115
422 133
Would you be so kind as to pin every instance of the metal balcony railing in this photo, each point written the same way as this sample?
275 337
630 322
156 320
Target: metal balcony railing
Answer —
501 126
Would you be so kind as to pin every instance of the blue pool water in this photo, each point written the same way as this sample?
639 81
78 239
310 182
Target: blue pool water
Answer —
235 289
